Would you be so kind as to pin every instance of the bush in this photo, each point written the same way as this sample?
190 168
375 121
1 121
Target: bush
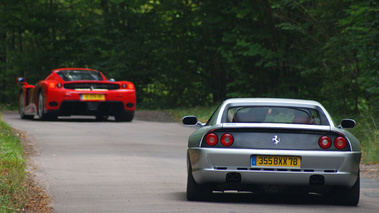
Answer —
202 113
368 134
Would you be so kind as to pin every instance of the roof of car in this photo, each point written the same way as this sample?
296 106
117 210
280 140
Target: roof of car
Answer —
272 101
280 102
61 69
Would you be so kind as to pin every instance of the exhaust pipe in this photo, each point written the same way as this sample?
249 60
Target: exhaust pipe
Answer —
316 180
233 177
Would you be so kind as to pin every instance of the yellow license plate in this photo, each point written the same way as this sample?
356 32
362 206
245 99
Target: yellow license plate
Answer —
93 97
276 161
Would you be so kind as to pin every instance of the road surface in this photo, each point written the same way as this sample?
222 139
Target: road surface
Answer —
92 166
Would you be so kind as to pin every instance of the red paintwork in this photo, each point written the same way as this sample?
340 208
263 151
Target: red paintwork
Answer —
52 93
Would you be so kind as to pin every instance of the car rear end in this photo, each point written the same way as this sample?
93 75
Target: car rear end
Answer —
250 144
89 97
275 155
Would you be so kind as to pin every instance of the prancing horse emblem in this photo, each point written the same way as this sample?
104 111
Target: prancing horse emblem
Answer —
275 140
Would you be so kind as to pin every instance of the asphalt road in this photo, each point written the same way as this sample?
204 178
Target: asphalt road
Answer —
91 166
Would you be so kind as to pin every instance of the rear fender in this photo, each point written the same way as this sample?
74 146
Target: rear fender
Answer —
26 90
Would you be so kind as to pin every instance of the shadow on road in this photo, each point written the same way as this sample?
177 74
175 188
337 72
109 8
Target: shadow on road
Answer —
275 199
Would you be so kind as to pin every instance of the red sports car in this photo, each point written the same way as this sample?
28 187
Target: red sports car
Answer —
77 91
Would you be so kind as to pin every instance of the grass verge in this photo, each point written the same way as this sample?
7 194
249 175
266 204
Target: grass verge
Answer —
367 133
13 176
202 113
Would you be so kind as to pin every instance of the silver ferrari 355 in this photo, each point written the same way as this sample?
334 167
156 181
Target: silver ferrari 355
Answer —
252 144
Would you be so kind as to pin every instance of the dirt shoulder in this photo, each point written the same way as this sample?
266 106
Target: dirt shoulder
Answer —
370 171
39 199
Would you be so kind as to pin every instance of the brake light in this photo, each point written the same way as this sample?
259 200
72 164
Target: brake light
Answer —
127 85
130 85
340 142
211 139
324 142
227 139
53 85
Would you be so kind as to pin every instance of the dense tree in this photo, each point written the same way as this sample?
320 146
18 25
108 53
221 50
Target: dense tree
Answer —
190 52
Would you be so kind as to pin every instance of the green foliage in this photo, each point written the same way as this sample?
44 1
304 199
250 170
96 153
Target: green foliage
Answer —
360 33
13 177
368 134
202 113
186 53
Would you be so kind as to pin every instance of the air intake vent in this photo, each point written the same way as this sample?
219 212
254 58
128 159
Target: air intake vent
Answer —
92 86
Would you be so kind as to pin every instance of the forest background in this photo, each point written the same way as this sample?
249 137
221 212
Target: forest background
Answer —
191 53
185 53
196 53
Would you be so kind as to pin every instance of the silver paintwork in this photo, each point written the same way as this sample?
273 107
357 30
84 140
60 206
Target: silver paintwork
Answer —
340 168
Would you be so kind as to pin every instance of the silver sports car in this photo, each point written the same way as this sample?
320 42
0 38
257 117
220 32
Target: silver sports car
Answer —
255 144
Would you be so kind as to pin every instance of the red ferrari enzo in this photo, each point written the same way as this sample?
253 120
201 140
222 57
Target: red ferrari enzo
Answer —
77 91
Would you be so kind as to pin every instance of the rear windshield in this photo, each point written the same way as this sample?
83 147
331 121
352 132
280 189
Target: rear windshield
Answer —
80 75
263 114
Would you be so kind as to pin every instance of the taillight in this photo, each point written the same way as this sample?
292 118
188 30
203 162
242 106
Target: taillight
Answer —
227 139
130 85
340 142
127 85
52 85
211 139
324 142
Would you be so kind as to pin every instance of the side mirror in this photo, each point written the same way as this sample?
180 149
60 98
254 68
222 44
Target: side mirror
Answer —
21 80
191 120
112 80
347 123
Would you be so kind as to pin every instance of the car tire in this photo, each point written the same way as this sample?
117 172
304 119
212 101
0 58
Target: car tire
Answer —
348 196
124 116
21 107
197 192
41 110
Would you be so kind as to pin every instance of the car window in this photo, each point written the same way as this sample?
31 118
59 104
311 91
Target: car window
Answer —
213 118
79 75
267 114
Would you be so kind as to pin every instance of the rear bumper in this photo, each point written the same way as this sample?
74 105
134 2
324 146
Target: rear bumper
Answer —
69 102
210 165
68 108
